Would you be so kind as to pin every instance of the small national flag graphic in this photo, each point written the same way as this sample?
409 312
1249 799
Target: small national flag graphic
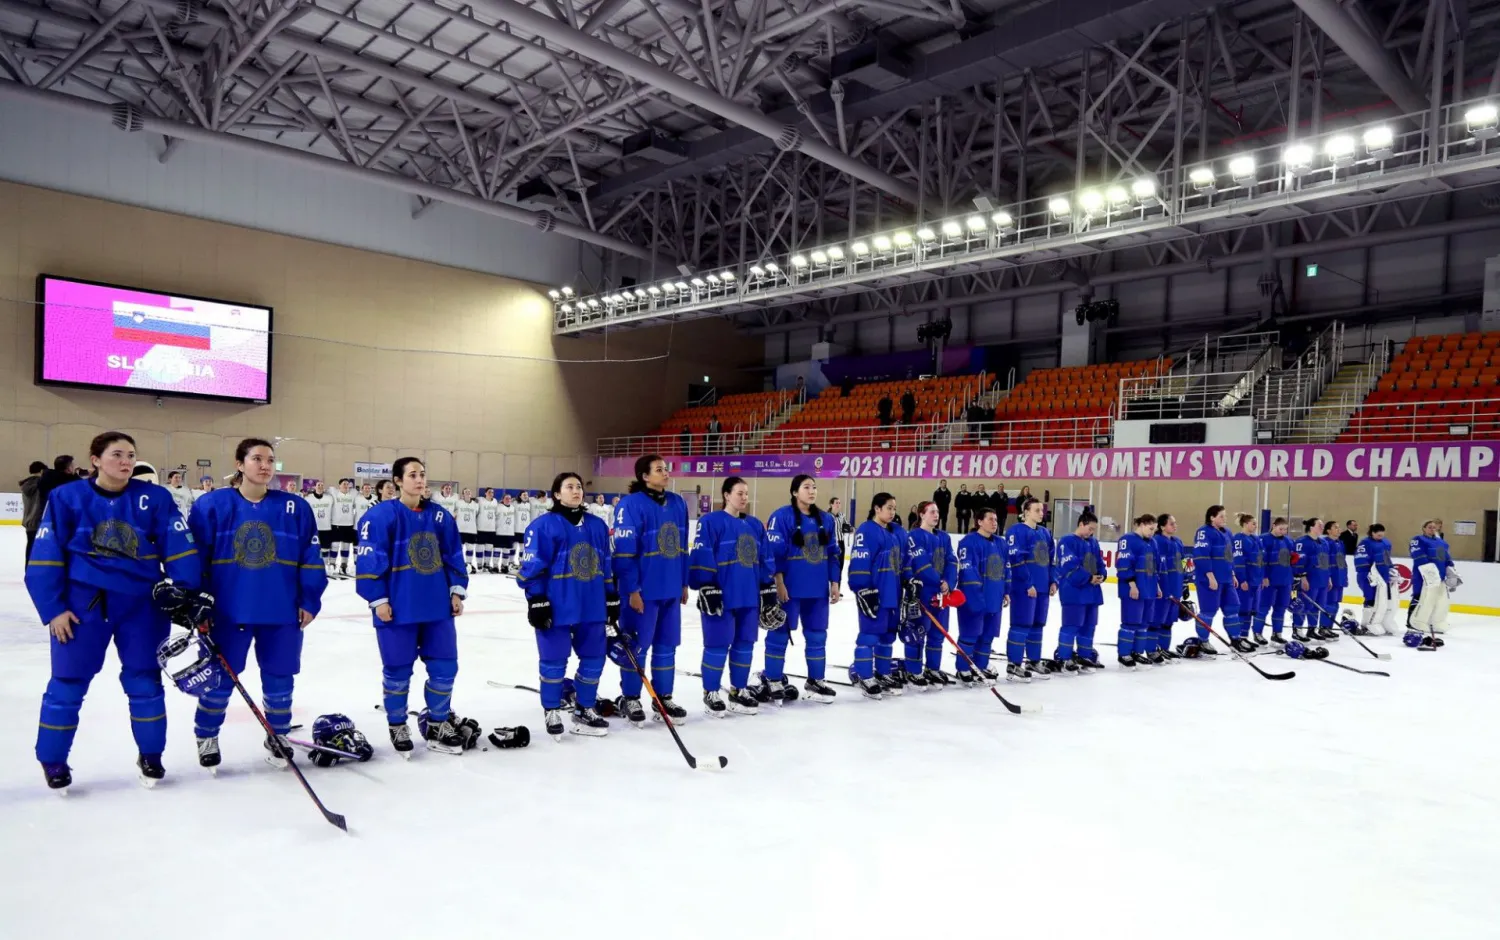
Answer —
139 327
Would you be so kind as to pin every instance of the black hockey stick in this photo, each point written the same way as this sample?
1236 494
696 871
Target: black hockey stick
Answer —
1273 676
847 685
718 763
603 706
1363 672
333 818
1385 656
1011 707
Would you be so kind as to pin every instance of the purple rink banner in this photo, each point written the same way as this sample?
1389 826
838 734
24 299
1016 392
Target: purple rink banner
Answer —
1469 461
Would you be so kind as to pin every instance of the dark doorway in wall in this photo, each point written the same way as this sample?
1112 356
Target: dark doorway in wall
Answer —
1489 534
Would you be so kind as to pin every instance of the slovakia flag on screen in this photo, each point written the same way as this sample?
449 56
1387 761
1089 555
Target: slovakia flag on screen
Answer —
138 327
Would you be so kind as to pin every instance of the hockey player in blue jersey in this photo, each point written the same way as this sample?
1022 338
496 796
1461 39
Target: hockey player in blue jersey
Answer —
1277 551
1213 571
651 569
567 577
1249 572
100 548
982 577
262 563
1032 583
732 570
1312 574
1171 573
1377 579
1138 589
934 570
877 575
1338 577
1080 572
410 570
809 561
1433 579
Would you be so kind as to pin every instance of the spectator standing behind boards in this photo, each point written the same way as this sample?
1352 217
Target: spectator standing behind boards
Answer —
714 432
963 505
883 409
943 497
908 407
1350 538
1001 504
31 503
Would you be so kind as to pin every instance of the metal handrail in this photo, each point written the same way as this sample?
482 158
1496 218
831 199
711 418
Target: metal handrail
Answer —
1410 421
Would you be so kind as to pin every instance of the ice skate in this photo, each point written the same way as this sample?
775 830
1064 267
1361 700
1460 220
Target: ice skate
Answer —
1087 665
872 688
151 770
59 777
816 690
278 752
444 736
208 754
587 722
1126 662
552 719
674 711
1017 672
890 685
401 740
630 709
1039 669
1244 645
919 682
743 702
713 704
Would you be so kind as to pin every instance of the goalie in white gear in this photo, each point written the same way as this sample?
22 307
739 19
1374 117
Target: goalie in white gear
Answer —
1433 578
466 514
1377 579
343 515
489 509
505 533
322 507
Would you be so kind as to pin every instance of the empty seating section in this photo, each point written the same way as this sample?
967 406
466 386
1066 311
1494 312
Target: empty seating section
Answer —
1068 407
739 413
1437 388
833 422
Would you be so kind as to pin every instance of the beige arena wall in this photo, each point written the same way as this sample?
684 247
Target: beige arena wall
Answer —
375 356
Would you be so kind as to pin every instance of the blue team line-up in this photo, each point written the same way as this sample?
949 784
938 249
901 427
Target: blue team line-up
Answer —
117 561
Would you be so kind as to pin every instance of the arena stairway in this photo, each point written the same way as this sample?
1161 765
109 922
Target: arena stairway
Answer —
1331 413
953 432
753 440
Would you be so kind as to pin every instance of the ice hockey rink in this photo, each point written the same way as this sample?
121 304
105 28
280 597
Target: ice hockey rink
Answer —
1196 800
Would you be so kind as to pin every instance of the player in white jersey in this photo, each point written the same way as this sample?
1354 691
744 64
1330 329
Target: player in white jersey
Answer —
467 517
322 507
599 509
181 495
539 504
345 509
505 533
205 485
489 510
388 491
447 499
523 519
365 501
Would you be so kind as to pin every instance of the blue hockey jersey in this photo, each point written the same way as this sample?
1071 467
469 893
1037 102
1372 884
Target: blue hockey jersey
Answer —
732 552
651 546
1171 564
112 541
807 571
1312 562
1249 559
1212 552
1338 566
982 572
1079 561
878 560
1425 550
1030 557
1276 555
1372 553
1135 563
570 564
261 561
931 559
411 559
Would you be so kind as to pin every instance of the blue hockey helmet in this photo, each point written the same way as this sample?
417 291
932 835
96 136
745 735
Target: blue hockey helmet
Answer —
1412 639
327 727
337 731
1294 649
186 660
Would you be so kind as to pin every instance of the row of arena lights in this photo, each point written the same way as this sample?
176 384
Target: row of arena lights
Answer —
1482 121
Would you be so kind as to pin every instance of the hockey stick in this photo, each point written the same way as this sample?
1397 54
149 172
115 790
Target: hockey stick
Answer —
847 685
603 706
1011 707
718 764
333 818
1273 676
1363 672
324 748
1351 636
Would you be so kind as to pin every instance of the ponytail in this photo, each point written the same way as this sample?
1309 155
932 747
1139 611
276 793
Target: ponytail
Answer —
880 500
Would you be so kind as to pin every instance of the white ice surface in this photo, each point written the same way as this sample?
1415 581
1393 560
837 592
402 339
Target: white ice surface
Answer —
1192 801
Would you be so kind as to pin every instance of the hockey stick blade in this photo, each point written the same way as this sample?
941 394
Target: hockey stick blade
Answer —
1273 676
508 685
1363 672
661 710
1010 706
1381 656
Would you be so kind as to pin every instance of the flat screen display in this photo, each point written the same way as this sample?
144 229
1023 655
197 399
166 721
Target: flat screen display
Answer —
104 336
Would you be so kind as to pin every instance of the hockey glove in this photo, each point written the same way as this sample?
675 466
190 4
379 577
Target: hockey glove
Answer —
510 738
1186 592
168 595
196 610
711 600
1452 580
612 607
1186 611
911 600
539 612
868 601
616 647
